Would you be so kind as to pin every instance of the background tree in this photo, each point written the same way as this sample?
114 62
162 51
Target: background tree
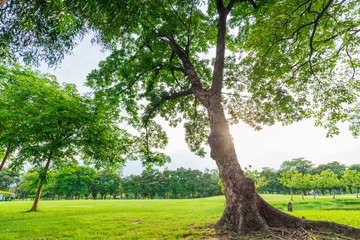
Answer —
335 167
75 181
29 183
351 178
290 53
271 177
297 164
8 178
286 180
108 182
208 184
331 181
355 167
131 186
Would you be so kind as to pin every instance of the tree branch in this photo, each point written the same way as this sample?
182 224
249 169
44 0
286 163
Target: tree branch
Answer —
218 73
189 69
166 98
232 3
253 4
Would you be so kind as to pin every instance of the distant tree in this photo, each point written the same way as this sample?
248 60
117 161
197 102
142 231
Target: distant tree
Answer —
164 184
208 183
29 184
150 183
331 181
319 183
132 186
108 182
75 181
355 167
293 180
272 178
335 167
297 164
8 178
351 178
305 183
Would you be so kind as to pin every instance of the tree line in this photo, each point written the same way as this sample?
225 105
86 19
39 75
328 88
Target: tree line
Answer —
74 182
300 176
80 182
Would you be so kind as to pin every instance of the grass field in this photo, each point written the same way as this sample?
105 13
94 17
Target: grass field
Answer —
149 219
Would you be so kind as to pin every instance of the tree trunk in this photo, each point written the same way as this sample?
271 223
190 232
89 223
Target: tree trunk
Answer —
245 210
42 181
357 192
2 2
7 155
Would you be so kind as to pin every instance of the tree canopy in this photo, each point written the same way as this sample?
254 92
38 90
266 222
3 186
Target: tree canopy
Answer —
272 61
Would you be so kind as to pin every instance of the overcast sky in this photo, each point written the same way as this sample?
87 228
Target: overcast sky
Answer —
266 148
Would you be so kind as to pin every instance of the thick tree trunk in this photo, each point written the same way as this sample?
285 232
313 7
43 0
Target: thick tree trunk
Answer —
245 210
7 155
42 181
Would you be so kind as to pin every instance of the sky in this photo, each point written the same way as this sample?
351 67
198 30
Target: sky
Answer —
268 147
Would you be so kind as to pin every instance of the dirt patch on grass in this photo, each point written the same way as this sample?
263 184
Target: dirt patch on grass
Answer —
135 222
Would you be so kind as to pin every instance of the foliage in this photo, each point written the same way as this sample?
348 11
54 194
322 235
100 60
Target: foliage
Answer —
297 164
74 181
8 178
80 181
335 167
297 59
260 180
351 178
271 177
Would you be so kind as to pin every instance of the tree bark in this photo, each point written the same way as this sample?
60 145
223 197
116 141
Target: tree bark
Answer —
7 155
245 210
2 2
42 181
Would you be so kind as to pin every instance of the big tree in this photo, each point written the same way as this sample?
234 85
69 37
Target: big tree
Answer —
272 61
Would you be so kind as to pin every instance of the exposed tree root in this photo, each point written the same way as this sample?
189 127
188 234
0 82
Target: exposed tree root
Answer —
285 234
249 214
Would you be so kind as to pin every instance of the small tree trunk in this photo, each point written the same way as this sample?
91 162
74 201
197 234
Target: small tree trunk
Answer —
357 192
42 181
7 155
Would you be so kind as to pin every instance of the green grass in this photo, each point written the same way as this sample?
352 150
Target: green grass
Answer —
148 219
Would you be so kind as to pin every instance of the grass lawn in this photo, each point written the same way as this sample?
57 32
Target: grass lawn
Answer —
149 219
